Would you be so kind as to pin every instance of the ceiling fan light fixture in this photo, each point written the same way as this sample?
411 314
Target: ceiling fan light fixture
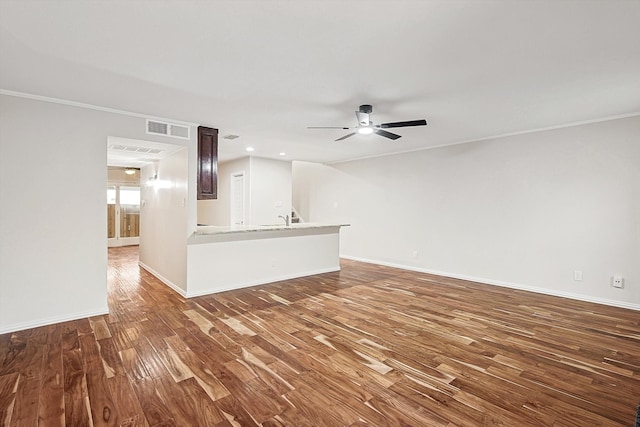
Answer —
366 126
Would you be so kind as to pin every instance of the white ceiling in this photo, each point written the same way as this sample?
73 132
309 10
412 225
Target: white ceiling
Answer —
266 69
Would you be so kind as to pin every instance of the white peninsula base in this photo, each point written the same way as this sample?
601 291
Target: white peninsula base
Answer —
225 258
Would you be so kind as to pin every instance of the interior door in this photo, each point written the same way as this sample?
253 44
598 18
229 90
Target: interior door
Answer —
237 199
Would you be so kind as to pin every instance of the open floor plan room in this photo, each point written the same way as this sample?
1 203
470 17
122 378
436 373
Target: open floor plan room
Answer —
369 345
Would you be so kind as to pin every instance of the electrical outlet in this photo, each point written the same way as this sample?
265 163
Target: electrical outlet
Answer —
577 275
617 282
415 254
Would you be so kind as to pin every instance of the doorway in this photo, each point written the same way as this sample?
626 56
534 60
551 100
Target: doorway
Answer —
125 157
123 215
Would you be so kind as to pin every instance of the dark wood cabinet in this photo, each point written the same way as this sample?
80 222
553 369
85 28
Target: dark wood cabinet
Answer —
207 163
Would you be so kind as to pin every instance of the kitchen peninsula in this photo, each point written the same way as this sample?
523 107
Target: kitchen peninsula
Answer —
221 258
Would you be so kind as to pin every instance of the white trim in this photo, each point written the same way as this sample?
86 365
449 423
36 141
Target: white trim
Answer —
91 107
187 294
164 119
487 138
163 279
53 320
262 282
484 281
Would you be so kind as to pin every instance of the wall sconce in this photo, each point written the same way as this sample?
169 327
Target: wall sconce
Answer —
152 180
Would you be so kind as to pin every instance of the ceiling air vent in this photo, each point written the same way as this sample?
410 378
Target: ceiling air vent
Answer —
134 149
172 130
179 131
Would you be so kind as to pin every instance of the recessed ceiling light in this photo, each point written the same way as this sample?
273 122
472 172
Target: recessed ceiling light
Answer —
249 149
365 130
283 154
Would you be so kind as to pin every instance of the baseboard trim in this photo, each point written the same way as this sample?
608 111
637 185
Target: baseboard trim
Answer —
53 320
187 294
163 279
569 295
249 284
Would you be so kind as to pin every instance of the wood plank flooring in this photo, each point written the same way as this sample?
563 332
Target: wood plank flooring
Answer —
367 346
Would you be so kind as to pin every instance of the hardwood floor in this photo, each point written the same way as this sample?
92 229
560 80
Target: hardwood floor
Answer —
368 346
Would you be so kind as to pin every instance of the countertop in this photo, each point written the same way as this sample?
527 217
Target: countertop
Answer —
206 230
214 234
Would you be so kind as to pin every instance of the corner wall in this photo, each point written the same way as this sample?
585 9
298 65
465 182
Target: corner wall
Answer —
164 219
268 190
218 211
53 244
53 219
522 211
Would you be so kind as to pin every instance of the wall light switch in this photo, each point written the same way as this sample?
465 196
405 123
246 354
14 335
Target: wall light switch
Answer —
577 275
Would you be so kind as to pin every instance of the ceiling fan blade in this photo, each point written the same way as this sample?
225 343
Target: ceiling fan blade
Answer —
422 122
327 127
387 134
346 136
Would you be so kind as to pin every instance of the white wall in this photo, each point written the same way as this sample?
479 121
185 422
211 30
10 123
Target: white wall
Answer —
218 211
53 163
251 259
164 219
270 190
52 216
522 211
267 184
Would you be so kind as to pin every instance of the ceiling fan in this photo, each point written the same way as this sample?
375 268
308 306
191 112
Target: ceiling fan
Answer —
366 126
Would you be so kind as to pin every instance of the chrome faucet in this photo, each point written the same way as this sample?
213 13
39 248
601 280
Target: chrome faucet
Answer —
286 219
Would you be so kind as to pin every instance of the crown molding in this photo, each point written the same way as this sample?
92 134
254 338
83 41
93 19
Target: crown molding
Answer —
91 107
